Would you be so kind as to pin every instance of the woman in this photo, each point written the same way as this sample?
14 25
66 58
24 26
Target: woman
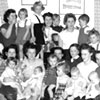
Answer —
8 29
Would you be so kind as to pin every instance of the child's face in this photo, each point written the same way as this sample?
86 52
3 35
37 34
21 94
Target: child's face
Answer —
58 53
11 53
11 64
73 51
22 15
86 55
82 23
60 71
48 21
56 21
55 37
94 78
70 23
31 53
53 61
93 39
75 75
38 9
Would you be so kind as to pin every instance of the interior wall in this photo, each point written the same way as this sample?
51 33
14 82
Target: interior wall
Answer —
53 6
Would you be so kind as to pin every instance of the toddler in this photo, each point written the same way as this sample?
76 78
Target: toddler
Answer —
56 22
63 81
50 76
78 84
23 29
83 32
94 37
10 76
93 89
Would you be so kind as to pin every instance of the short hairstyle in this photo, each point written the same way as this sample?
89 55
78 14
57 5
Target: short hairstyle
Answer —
56 16
12 46
69 15
87 47
37 3
64 66
7 14
23 10
93 32
48 14
75 45
57 48
11 59
84 17
52 56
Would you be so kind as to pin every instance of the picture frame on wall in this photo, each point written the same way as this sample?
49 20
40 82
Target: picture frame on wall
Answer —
31 2
71 6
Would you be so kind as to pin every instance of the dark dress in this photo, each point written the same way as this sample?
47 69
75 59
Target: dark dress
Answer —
11 40
38 32
20 34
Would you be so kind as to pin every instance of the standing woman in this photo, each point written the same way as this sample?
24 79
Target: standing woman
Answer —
8 29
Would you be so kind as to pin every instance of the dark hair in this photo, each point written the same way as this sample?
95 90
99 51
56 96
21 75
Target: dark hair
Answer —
23 10
69 15
75 45
57 48
93 32
28 46
37 3
48 14
52 56
84 17
87 47
7 14
12 59
12 46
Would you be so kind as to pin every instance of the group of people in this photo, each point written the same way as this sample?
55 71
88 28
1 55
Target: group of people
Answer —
41 60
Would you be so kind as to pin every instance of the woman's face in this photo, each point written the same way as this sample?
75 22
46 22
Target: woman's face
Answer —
86 55
70 22
48 21
11 53
31 53
74 51
38 10
12 17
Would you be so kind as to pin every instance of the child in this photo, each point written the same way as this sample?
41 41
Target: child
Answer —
50 76
53 43
23 29
10 76
74 53
93 90
78 84
56 22
34 84
62 81
83 32
94 37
